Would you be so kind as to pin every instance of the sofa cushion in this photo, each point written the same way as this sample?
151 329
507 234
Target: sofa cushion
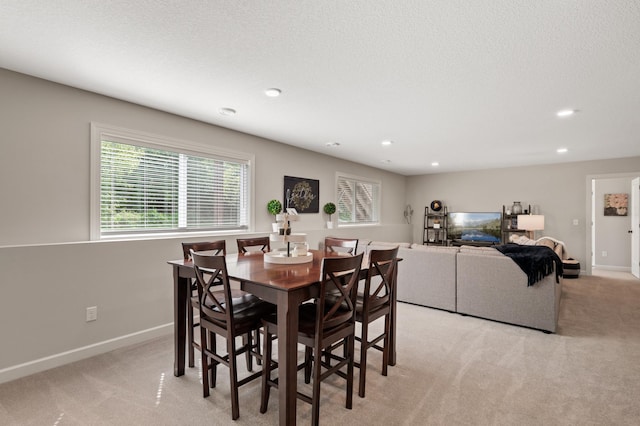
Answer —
484 251
434 249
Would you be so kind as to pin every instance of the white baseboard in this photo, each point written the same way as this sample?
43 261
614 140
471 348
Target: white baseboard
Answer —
42 364
612 268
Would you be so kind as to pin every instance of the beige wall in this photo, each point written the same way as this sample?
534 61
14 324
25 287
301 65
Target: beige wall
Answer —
558 191
50 271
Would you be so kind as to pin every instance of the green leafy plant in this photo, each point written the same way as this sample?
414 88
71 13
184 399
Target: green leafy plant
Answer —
274 207
329 209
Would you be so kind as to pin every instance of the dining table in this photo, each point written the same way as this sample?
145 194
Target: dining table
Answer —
286 286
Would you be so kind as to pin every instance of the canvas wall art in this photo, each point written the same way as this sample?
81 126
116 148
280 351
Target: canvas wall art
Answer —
616 204
302 194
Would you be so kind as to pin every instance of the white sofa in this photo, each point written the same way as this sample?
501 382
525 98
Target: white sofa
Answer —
477 281
491 285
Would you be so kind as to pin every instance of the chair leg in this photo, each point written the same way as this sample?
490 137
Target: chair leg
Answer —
308 352
233 378
205 362
258 349
247 341
315 396
350 342
190 336
266 372
387 344
364 346
213 368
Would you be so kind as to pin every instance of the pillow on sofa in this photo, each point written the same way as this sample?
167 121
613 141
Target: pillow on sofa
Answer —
523 240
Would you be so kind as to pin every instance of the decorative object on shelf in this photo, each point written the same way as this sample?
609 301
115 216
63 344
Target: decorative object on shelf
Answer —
436 205
329 209
274 207
516 208
435 225
510 224
616 204
408 212
302 194
531 223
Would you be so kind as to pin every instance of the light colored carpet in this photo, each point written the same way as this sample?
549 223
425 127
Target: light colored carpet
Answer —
452 370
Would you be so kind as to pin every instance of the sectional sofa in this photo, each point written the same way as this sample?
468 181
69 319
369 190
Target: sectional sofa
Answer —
476 281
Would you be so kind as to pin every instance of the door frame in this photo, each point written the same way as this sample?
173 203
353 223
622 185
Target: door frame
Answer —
588 224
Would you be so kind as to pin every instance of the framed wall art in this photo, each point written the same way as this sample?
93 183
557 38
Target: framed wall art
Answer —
302 194
616 204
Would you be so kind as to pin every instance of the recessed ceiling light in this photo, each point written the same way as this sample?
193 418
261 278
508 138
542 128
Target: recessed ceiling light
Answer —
385 161
387 142
435 164
561 150
227 111
566 112
273 92
333 144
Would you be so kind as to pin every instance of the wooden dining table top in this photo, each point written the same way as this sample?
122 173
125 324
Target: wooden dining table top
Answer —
252 267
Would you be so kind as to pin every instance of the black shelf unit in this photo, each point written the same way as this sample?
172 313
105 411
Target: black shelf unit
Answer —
435 227
510 225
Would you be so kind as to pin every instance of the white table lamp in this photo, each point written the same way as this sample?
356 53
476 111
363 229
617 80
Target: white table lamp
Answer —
531 223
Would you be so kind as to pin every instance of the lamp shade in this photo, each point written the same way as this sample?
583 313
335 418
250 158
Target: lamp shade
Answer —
531 222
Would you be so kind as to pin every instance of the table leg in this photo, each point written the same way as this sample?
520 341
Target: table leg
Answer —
287 357
180 285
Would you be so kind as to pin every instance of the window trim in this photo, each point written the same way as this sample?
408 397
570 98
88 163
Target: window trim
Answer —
149 140
361 179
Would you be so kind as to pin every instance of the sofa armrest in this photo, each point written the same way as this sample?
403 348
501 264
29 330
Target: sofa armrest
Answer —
495 287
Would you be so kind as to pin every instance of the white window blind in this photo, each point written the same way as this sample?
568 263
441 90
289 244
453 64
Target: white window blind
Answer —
358 200
145 188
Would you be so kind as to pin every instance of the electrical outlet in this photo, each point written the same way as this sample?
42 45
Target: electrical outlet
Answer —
604 253
92 313
575 222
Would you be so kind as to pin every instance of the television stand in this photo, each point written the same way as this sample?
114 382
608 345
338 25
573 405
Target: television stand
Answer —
459 243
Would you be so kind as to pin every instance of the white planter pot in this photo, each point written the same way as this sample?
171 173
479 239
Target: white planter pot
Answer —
329 225
274 226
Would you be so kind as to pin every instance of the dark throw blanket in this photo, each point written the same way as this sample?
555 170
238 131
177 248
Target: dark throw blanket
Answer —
535 261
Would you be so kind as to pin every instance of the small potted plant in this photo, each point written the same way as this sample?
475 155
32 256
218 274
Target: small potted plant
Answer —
329 209
274 207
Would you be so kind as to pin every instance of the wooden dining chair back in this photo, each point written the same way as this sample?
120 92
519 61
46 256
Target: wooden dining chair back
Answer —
216 248
329 319
341 245
229 316
253 244
376 301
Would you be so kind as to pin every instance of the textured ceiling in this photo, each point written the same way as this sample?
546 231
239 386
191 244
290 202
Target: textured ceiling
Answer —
470 84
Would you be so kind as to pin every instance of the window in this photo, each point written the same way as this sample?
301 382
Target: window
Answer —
358 200
148 185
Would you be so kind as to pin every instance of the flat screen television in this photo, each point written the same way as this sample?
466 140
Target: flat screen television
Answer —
483 227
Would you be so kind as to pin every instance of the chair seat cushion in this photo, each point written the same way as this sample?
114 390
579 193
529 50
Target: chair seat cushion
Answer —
246 306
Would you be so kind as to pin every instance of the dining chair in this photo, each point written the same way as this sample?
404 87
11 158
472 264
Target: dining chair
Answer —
321 324
376 301
218 317
341 245
216 248
253 244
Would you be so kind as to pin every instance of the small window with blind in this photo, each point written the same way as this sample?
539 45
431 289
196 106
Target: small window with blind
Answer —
358 200
144 184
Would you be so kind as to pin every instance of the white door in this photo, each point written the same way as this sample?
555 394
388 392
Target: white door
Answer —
635 227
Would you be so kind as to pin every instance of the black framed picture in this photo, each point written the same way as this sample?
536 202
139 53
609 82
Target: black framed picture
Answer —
302 194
